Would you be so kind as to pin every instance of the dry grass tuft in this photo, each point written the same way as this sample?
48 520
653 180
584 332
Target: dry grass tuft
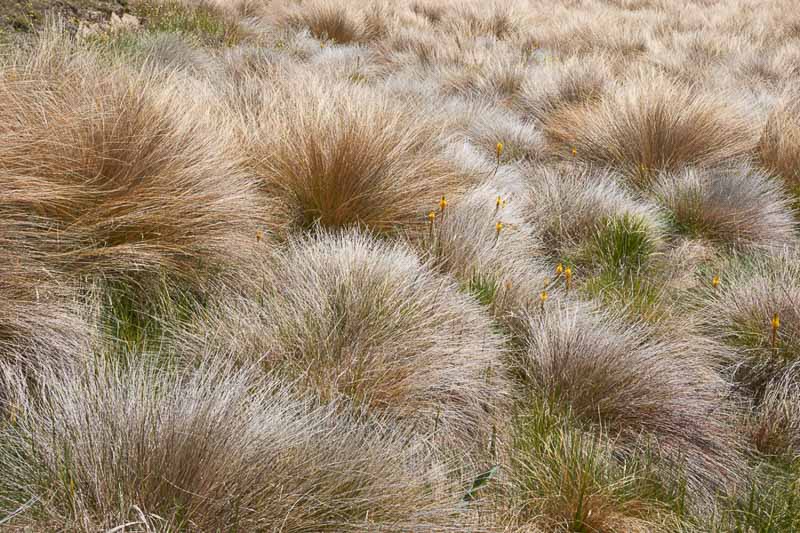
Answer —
739 207
342 155
568 205
779 146
218 448
499 268
641 389
117 173
650 123
739 313
352 317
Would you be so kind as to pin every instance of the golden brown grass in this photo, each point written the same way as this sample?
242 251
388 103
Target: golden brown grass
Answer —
649 123
342 155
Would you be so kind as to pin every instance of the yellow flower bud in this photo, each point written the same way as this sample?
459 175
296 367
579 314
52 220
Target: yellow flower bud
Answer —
499 150
574 152
259 235
776 322
559 269
442 204
499 202
715 281
432 216
543 297
498 227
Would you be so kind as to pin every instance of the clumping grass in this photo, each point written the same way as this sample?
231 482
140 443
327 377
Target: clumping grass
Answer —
566 479
342 155
740 311
570 205
650 123
348 316
120 444
634 385
317 265
739 207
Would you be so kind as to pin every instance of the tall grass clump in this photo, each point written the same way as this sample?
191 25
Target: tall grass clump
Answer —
351 317
779 146
342 155
117 173
739 207
499 267
564 478
648 124
741 311
121 445
645 391
570 205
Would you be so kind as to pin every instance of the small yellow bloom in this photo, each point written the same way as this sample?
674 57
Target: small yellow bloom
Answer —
776 322
432 216
574 152
499 202
498 227
543 297
568 277
499 150
442 204
559 269
715 281
259 235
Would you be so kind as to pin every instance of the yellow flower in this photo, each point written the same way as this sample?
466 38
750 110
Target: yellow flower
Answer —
259 235
499 202
498 227
715 281
432 216
543 297
499 150
568 277
559 269
574 152
776 322
442 204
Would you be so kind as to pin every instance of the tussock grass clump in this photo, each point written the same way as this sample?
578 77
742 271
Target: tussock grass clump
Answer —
650 123
623 243
738 207
499 267
779 146
353 317
740 311
117 173
341 23
566 479
342 155
42 323
559 85
775 423
570 204
214 449
644 391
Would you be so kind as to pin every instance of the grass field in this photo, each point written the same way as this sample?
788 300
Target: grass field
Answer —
413 265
